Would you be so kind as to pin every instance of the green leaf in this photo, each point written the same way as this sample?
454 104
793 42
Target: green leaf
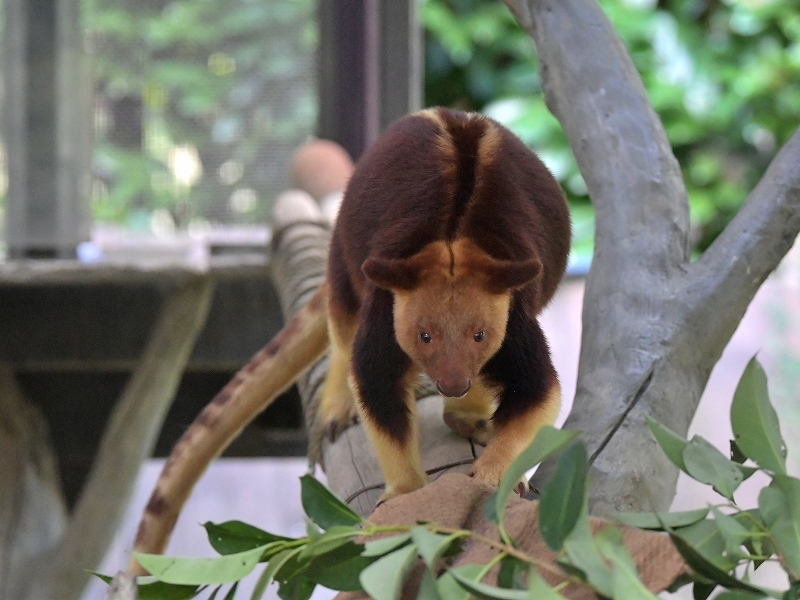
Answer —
490 509
511 573
733 532
152 589
706 538
261 585
232 537
427 587
488 591
449 588
330 540
708 465
785 529
707 569
547 442
324 507
625 580
671 443
583 554
771 504
755 423
538 587
383 579
336 572
277 562
296 588
431 546
158 590
385 545
702 590
739 595
231 592
201 571
737 455
659 520
563 495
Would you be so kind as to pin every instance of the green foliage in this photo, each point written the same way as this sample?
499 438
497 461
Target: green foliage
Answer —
722 544
721 75
229 79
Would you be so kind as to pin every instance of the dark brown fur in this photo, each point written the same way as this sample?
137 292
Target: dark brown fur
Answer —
435 182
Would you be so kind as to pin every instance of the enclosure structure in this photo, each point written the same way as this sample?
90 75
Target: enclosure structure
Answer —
86 342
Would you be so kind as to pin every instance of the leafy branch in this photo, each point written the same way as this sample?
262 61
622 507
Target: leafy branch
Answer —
722 544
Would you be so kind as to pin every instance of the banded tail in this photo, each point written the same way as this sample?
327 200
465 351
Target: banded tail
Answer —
271 371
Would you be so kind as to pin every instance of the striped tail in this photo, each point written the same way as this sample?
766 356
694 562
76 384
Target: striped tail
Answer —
270 372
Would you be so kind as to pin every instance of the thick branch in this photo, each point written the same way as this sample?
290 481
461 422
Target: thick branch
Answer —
723 282
653 326
128 440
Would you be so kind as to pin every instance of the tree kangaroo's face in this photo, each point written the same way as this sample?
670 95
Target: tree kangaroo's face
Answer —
450 329
451 304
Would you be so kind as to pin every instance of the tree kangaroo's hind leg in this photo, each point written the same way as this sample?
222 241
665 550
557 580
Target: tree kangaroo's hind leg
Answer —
383 380
529 396
337 405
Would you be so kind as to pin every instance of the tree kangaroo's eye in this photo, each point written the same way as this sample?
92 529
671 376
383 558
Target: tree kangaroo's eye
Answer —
425 338
478 337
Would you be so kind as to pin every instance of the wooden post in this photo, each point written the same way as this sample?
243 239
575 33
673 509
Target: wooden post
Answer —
47 128
370 68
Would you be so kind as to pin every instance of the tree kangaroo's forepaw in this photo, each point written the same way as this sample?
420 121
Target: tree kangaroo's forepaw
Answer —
336 427
469 425
493 473
336 421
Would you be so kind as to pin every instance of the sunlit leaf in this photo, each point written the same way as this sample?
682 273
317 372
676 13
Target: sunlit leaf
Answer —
383 579
706 539
732 532
330 540
671 443
485 590
323 506
431 546
562 497
427 587
755 423
547 442
451 589
583 553
625 580
201 571
708 465
385 545
659 520
539 589
785 529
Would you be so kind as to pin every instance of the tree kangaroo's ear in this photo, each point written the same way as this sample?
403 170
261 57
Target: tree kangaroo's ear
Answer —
505 275
392 273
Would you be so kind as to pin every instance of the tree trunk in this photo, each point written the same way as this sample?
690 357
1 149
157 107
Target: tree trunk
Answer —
654 324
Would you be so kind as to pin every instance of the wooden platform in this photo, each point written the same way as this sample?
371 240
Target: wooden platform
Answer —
73 332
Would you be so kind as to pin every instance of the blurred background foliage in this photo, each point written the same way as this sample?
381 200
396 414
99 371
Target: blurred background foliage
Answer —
724 76
198 99
199 104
